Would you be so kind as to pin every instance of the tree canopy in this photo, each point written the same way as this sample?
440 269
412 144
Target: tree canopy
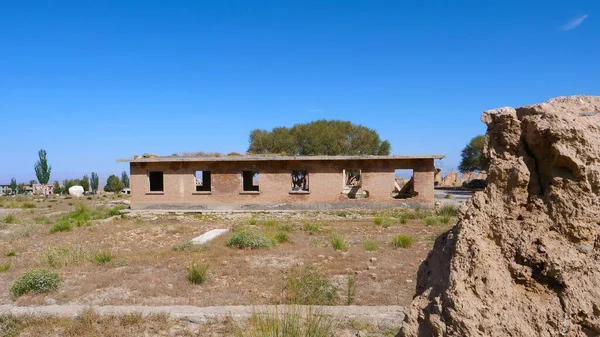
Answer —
95 181
125 179
113 184
322 137
42 169
472 156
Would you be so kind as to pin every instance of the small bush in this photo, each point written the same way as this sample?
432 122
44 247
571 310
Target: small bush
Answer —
342 214
338 242
430 221
10 218
11 252
312 227
197 272
289 321
309 288
370 246
3 268
28 205
404 219
185 245
378 221
61 226
281 237
35 281
447 210
103 257
402 241
445 220
351 289
114 211
249 239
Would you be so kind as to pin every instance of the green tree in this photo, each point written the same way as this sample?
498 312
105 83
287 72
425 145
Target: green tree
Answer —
95 182
125 179
13 186
57 188
322 137
113 184
42 169
85 183
472 156
31 182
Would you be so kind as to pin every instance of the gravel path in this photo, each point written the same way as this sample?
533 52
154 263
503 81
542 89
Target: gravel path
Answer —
377 315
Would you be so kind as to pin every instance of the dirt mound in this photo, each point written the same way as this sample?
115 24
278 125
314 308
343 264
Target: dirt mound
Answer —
524 259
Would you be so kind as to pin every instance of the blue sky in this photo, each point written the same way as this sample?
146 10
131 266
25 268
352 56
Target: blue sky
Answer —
93 81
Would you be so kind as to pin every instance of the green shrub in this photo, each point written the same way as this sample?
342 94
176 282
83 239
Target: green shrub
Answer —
252 222
4 267
378 221
281 237
447 210
288 321
402 241
250 239
370 245
35 281
312 227
445 220
28 205
430 221
338 242
342 214
8 326
10 218
404 219
185 245
103 257
197 272
351 289
309 288
11 252
62 225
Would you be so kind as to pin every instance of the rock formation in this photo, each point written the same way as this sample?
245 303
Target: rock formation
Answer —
76 191
524 258
451 179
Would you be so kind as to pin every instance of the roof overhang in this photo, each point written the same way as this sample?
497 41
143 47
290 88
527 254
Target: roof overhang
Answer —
167 159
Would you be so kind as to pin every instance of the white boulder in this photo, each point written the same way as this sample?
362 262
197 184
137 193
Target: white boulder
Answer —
76 191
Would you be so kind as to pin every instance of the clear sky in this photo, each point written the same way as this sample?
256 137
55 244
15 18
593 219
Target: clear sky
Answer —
93 81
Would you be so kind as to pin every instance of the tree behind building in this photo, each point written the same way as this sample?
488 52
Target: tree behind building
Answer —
125 179
42 169
472 156
113 184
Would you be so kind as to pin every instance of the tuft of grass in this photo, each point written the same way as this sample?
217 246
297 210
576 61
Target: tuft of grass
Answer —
312 227
185 245
42 220
402 241
351 289
3 268
378 220
289 321
250 239
286 228
61 226
9 326
52 200
369 245
270 224
445 220
10 218
342 214
252 222
431 221
309 288
62 256
89 198
68 197
103 257
338 242
282 237
131 319
10 253
447 210
114 211
404 219
35 281
28 205
197 271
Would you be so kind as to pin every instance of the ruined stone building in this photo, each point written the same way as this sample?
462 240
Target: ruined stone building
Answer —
277 182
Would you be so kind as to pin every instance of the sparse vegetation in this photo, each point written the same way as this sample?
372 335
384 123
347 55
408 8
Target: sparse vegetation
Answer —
309 288
342 213
338 242
42 220
312 227
62 256
445 220
403 219
3 268
197 271
378 220
103 257
250 239
185 245
28 205
35 281
10 253
10 218
289 321
370 245
282 237
447 210
82 216
351 289
61 226
431 221
402 241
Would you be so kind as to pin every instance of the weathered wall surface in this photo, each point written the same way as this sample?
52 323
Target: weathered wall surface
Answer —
325 182
524 258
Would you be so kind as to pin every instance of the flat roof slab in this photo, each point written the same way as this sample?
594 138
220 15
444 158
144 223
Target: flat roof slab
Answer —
158 159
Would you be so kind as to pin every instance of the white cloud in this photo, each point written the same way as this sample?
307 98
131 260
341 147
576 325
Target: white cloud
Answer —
574 23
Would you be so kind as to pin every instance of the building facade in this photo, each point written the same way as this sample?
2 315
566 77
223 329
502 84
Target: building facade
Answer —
277 182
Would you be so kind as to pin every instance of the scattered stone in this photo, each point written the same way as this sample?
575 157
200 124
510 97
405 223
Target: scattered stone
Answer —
373 259
371 267
585 248
373 276
321 256
49 301
209 236
76 191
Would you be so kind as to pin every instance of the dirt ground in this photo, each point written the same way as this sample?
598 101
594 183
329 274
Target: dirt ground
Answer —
146 270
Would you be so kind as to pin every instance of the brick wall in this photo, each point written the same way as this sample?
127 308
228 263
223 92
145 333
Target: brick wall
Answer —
326 182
